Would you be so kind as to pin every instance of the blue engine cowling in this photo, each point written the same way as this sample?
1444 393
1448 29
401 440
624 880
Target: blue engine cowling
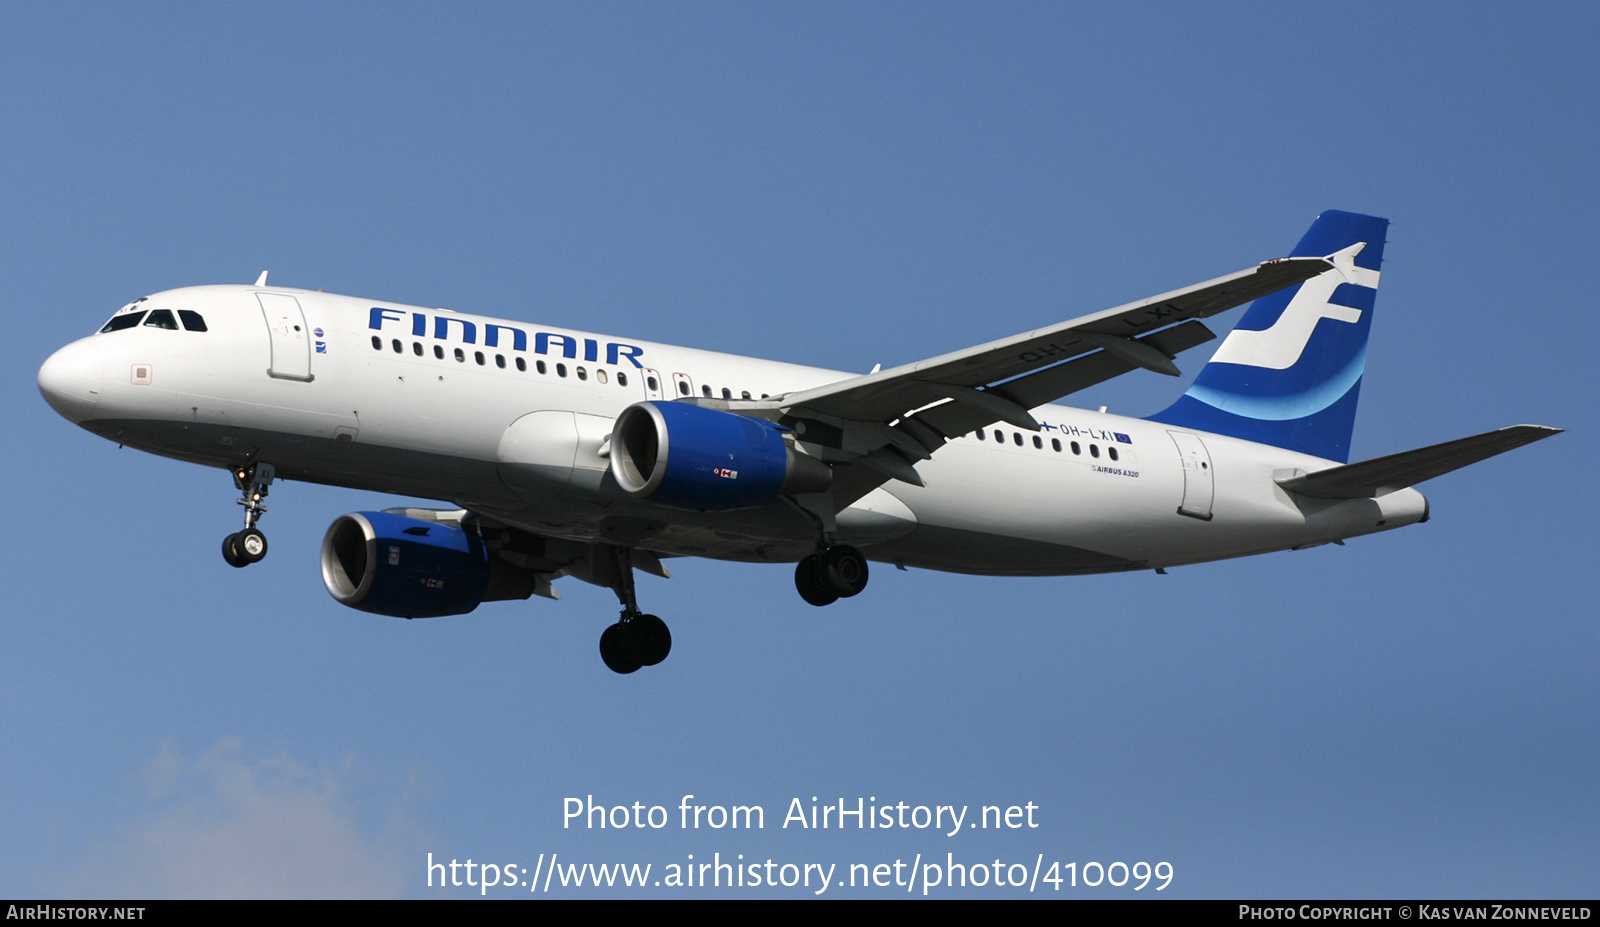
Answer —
692 457
393 565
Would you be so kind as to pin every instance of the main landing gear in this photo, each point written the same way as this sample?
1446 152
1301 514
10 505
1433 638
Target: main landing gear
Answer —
250 545
636 639
835 573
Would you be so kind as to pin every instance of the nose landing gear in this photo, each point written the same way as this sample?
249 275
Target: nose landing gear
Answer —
250 545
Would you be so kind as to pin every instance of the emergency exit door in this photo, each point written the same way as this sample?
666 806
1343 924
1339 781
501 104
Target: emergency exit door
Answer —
1199 485
291 344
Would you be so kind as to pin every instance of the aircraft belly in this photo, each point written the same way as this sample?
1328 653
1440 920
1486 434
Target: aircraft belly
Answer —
774 533
312 459
958 550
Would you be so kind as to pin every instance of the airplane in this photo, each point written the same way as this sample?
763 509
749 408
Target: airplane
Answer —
569 453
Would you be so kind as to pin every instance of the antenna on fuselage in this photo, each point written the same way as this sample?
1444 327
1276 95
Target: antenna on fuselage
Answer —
262 280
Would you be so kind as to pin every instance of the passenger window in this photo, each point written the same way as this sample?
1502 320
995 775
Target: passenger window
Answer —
478 356
398 347
500 361
461 356
1111 452
705 391
999 436
438 352
1094 450
1055 445
1076 449
522 365
727 393
683 387
192 320
980 434
583 374
377 343
622 378
161 318
561 370
416 348
600 375
1038 442
541 367
1016 437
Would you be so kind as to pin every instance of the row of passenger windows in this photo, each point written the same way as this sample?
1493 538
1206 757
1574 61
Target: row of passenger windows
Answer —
561 369
1055 443
499 360
157 318
706 391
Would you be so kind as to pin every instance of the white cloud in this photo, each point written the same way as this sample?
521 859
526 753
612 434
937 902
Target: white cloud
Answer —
226 825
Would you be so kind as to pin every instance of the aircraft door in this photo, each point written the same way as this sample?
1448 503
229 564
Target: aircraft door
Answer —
291 344
1198 482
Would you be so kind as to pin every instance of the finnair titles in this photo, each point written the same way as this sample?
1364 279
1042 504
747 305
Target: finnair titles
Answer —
566 345
572 454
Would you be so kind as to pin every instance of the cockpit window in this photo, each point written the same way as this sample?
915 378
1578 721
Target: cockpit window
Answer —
192 320
120 322
161 318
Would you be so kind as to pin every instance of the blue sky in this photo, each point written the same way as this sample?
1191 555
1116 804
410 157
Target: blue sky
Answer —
1412 714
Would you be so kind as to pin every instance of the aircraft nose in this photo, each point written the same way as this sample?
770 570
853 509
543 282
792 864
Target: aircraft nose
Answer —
72 380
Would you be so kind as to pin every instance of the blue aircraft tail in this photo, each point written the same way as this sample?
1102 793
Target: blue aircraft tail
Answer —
1289 375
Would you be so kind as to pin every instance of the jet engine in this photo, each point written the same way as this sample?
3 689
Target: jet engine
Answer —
692 457
390 564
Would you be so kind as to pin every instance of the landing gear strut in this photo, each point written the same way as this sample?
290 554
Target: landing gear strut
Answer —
636 639
836 572
250 545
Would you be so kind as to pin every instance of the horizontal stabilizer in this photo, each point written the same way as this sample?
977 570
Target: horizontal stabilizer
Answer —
1382 475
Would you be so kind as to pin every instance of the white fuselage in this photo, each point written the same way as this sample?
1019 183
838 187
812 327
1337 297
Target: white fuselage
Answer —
432 403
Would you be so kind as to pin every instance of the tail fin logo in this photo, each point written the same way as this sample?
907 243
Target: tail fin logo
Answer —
1279 347
1290 374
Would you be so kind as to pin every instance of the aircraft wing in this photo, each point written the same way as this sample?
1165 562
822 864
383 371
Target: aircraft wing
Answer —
889 419
1125 333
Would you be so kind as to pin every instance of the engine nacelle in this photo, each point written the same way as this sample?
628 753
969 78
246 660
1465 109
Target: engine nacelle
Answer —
691 457
393 565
